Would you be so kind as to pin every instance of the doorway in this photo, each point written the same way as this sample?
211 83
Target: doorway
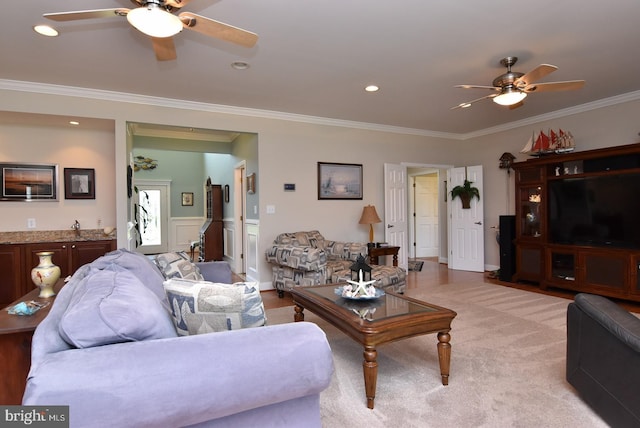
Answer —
424 229
153 212
428 200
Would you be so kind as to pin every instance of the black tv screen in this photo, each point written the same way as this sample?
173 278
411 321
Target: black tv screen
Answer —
598 211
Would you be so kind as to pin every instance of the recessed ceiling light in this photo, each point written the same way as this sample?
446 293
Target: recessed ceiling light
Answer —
74 122
372 88
464 105
240 65
45 30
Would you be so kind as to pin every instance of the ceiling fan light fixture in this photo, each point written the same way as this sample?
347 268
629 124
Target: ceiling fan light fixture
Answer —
154 21
45 30
509 96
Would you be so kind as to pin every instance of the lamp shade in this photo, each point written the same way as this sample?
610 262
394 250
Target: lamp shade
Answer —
154 21
369 216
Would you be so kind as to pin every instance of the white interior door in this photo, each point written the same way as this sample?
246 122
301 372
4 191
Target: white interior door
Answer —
395 210
426 215
153 216
466 231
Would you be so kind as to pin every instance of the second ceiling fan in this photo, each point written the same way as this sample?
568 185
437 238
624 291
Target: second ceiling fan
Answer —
156 19
512 87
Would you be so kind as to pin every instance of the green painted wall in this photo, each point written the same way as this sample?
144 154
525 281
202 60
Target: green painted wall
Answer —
186 172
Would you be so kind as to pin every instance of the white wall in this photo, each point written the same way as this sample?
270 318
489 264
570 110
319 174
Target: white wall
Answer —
290 149
68 147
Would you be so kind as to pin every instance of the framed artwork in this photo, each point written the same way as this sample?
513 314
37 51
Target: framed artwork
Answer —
79 183
28 182
339 181
251 183
187 199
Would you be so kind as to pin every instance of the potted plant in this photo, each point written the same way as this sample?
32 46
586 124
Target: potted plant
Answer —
466 192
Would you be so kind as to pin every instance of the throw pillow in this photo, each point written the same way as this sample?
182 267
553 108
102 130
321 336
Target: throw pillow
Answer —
206 307
177 265
113 306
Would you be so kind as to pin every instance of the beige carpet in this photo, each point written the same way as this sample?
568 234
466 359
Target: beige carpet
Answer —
507 367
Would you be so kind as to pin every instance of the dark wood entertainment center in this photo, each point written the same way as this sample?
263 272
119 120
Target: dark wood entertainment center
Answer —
605 267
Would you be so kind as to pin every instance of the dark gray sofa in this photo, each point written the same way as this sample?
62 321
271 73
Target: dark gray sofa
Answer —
603 358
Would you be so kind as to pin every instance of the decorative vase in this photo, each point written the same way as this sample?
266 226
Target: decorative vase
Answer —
46 274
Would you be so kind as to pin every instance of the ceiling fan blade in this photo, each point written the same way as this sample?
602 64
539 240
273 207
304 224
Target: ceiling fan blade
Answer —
87 14
176 3
555 86
493 88
534 75
164 48
219 30
468 103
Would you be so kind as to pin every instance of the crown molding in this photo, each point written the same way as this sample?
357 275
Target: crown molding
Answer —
605 102
99 94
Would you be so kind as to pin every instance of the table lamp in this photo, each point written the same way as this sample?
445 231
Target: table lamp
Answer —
369 216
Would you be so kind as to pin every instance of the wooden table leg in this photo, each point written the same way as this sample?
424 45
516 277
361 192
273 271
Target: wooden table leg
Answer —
370 368
299 315
444 356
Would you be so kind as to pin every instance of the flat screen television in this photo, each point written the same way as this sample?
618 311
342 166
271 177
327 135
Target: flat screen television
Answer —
595 211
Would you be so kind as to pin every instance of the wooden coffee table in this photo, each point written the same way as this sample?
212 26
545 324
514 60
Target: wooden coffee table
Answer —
395 317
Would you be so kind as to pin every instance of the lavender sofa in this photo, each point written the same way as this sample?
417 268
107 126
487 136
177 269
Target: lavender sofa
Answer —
109 350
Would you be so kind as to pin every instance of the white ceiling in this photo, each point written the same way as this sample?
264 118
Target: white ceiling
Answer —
314 57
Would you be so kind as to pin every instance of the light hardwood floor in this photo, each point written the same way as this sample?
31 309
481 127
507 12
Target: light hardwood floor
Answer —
434 273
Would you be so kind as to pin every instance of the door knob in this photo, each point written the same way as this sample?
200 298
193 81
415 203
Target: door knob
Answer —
478 223
389 226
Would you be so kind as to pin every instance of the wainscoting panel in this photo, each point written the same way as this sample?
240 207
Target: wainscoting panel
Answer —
229 241
251 251
183 231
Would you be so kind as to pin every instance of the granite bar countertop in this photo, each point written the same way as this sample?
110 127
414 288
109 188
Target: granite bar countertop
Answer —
25 237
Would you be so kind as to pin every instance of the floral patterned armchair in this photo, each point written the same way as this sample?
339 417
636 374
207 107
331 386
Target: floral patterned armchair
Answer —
307 259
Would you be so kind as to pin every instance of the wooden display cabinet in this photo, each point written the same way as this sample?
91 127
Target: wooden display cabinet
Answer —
212 231
606 267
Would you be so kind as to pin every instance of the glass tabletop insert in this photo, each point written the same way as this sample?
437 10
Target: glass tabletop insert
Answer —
386 306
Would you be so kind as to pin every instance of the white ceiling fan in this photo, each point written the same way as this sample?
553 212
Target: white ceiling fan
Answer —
156 19
512 87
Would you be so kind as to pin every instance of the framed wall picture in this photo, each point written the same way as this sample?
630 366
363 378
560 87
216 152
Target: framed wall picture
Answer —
187 199
28 182
339 181
79 183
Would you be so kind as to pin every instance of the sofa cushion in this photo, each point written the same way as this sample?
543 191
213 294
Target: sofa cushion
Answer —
139 265
177 265
312 238
300 258
112 306
205 307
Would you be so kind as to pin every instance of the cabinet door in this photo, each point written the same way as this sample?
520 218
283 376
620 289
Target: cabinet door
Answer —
11 286
60 257
84 252
529 263
604 271
531 213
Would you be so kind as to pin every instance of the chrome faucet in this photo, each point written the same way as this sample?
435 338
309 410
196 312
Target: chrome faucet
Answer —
76 226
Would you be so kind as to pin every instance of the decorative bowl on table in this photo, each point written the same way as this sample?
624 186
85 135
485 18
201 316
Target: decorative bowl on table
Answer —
347 292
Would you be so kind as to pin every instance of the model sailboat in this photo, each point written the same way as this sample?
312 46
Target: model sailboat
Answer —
542 144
